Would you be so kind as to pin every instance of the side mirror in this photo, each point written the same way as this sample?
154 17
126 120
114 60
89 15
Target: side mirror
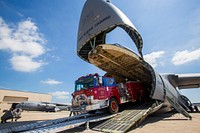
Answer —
100 80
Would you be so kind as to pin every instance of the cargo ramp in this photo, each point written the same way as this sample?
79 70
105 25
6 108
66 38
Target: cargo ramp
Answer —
128 118
120 122
58 125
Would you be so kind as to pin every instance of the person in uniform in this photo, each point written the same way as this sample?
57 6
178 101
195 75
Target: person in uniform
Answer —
7 115
11 114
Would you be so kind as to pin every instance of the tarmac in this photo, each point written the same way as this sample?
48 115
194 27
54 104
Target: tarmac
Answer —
156 123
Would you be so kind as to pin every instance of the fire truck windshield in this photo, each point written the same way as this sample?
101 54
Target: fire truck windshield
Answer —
84 83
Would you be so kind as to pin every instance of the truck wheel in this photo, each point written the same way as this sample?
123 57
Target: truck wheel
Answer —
113 106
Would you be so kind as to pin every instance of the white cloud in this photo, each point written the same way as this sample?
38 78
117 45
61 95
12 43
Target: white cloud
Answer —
51 82
182 57
25 63
153 57
186 56
60 94
24 42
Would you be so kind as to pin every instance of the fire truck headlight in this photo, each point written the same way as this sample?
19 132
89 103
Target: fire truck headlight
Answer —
90 98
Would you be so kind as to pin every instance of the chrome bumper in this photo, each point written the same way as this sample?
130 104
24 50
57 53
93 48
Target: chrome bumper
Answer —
100 105
95 106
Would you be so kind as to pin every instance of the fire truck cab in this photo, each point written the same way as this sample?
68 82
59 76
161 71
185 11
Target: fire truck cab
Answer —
94 92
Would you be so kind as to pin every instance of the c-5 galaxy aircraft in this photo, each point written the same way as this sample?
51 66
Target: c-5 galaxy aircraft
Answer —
42 106
98 18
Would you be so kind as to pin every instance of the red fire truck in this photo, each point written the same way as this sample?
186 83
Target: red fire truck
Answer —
94 92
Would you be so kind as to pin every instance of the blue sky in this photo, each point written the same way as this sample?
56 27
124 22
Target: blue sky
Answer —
38 42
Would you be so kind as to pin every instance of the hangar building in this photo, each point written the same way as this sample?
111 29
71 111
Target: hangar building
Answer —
8 97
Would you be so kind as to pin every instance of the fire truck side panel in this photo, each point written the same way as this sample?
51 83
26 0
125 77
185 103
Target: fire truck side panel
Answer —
113 92
135 91
100 93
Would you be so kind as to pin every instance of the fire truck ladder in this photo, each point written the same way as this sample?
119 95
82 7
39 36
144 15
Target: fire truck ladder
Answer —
128 118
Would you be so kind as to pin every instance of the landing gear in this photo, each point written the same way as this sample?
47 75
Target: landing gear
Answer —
187 103
113 106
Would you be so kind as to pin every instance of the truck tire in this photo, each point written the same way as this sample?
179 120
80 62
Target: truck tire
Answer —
113 106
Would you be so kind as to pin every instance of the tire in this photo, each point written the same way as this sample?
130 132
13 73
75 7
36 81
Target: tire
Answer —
113 106
188 103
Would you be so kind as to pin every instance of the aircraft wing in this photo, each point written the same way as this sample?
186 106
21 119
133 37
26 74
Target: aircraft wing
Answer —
185 81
